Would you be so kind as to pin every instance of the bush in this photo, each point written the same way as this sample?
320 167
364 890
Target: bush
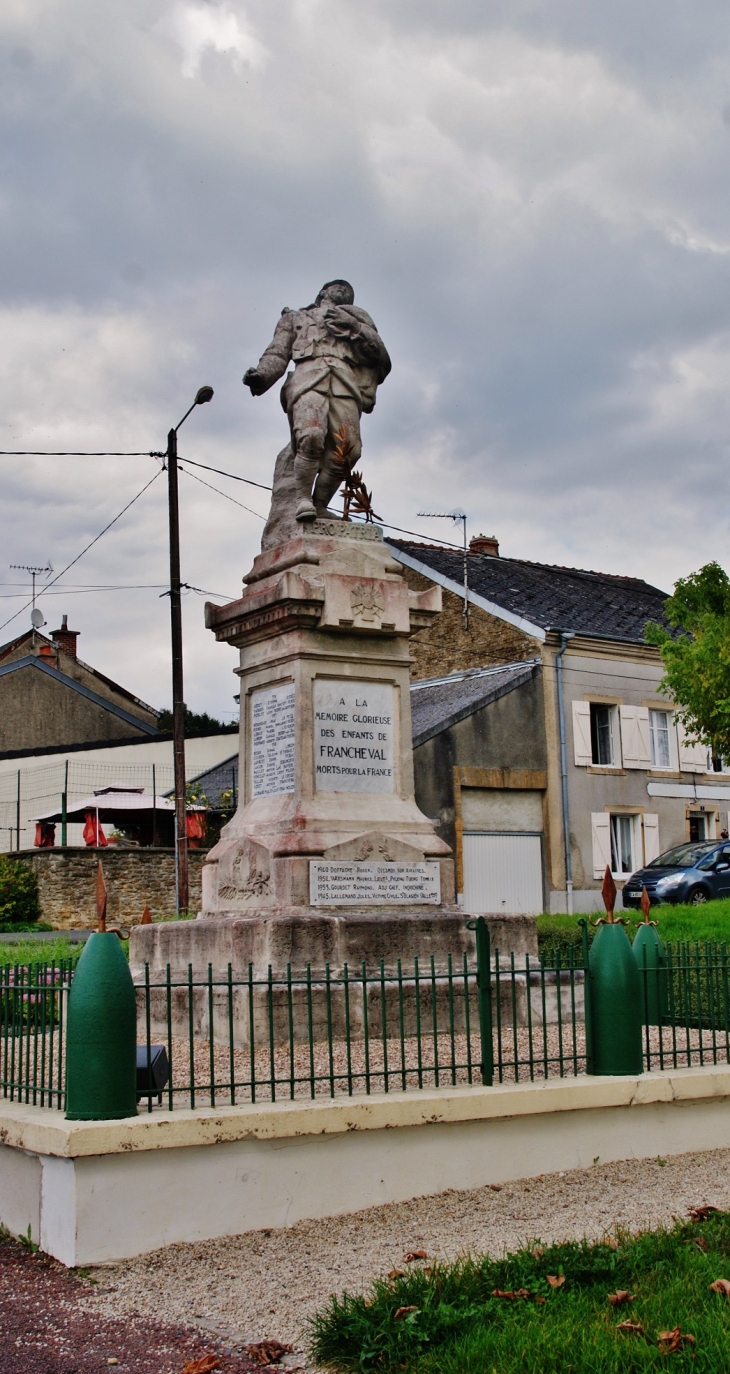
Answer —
18 892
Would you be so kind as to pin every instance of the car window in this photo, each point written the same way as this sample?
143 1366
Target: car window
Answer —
715 857
683 856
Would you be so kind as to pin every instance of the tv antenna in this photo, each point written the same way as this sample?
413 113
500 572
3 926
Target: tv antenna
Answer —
36 615
455 515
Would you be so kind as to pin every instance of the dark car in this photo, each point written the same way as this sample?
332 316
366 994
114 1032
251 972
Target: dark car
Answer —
692 873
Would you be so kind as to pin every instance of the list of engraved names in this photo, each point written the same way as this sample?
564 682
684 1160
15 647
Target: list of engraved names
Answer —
272 740
366 884
353 736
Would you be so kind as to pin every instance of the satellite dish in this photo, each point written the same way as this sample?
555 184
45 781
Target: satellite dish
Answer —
36 618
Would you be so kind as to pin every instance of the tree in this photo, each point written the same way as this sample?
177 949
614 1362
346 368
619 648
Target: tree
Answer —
696 655
196 723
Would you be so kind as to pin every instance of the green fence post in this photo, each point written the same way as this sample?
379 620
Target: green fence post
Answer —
101 1034
588 1018
484 994
615 996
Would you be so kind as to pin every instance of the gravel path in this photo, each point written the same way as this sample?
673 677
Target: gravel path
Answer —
267 1283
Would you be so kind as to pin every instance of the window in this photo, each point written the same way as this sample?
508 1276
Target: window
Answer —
602 750
622 844
659 737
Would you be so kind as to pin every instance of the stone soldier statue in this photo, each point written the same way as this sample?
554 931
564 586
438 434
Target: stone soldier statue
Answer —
339 362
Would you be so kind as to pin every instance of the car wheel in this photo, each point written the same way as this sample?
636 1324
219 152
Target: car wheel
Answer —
697 897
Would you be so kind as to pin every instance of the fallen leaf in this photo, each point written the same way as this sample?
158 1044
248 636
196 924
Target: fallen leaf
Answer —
263 1352
672 1341
556 1280
204 1365
611 1242
496 1187
515 1295
721 1286
414 1255
396 1274
702 1213
621 1296
403 1312
537 1252
699 1241
632 1328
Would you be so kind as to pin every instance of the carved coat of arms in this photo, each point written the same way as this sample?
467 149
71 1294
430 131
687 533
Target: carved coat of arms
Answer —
367 603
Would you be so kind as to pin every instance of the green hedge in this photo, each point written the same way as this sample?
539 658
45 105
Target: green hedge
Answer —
18 892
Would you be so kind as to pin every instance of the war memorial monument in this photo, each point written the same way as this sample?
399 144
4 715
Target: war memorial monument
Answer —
328 857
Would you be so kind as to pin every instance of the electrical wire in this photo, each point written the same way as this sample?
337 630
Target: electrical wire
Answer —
210 487
233 475
90 545
77 453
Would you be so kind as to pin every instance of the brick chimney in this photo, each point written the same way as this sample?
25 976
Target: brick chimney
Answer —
65 639
486 544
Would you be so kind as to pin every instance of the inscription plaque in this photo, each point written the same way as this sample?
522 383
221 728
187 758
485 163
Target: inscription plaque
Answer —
353 736
272 740
386 884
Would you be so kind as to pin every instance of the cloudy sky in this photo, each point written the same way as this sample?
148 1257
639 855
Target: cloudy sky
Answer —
531 198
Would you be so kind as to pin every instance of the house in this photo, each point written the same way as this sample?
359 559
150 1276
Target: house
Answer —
544 748
50 699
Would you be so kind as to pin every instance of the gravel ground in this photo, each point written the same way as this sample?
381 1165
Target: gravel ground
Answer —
267 1283
334 1071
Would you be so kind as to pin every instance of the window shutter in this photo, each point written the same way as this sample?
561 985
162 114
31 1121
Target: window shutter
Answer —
601 831
635 736
582 733
651 838
692 757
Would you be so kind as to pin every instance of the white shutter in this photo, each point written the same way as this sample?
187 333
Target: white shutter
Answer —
635 745
582 733
651 838
692 757
601 831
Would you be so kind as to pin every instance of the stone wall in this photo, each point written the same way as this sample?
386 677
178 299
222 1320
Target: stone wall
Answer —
445 647
135 878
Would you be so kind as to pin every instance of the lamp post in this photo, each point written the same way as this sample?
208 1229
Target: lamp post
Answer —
178 705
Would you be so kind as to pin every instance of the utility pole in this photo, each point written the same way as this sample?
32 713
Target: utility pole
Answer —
182 890
178 704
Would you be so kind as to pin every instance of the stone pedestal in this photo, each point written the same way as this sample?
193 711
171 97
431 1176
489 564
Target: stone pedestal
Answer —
326 768
328 857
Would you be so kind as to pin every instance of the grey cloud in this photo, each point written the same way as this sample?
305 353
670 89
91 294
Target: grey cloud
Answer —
530 198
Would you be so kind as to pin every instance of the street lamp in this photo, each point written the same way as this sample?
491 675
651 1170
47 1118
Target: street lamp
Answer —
178 706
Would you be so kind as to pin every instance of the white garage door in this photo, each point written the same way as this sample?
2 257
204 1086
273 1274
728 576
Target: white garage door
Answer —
503 873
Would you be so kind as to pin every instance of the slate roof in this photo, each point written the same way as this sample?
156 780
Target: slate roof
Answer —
441 702
214 781
547 596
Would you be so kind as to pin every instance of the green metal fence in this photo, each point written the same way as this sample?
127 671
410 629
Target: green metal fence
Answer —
33 1003
396 1027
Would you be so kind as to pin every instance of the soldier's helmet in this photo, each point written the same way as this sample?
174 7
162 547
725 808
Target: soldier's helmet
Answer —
338 281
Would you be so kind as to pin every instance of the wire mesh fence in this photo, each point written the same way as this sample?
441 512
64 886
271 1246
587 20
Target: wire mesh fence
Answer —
27 792
393 1028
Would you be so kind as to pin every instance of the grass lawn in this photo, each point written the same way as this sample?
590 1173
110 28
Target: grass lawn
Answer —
708 922
551 1310
38 951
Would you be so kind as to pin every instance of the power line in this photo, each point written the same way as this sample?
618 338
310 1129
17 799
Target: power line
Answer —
233 475
90 545
210 487
77 453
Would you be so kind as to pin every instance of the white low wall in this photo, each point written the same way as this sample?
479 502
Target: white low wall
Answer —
94 1191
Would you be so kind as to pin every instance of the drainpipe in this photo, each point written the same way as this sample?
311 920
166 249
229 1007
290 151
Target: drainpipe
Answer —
565 636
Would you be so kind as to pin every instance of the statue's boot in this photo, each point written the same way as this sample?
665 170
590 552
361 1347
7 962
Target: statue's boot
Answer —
306 467
331 475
